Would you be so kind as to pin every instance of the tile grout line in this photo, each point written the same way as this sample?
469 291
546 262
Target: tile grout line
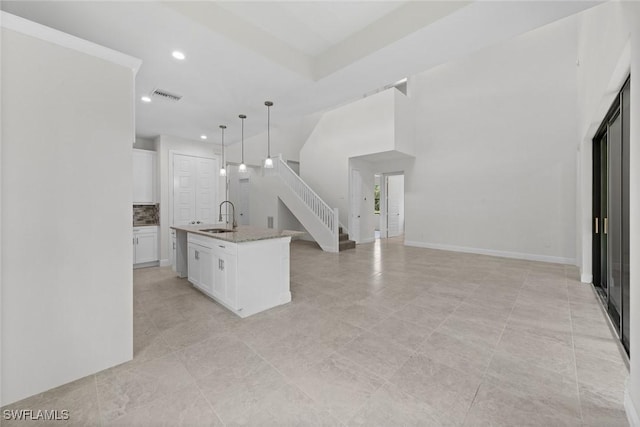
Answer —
484 374
95 383
209 403
290 382
573 347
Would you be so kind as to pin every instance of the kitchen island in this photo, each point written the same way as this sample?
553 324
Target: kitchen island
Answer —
245 269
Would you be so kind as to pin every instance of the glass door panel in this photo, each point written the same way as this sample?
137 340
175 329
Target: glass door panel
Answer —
614 223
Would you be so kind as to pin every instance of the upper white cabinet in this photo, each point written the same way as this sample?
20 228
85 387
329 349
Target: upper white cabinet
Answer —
144 177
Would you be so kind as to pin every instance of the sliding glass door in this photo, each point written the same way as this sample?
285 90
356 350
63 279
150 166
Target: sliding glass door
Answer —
611 213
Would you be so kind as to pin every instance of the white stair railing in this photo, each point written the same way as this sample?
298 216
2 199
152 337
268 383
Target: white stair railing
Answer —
327 215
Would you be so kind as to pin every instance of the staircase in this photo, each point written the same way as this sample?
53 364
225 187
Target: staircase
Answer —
343 241
318 218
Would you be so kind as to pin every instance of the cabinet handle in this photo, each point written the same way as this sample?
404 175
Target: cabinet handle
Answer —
222 264
197 255
136 240
222 246
198 222
174 245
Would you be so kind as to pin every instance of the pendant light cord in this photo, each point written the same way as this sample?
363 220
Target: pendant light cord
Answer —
242 117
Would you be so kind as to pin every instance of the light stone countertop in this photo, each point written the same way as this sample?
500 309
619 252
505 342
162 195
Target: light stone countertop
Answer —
244 233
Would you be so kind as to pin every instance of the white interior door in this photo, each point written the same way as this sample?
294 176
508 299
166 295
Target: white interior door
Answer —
356 205
395 205
243 208
184 189
206 190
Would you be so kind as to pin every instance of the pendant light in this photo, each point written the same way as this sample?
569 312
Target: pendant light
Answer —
268 162
223 171
242 168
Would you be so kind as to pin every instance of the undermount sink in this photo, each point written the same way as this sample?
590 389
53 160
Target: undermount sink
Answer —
217 230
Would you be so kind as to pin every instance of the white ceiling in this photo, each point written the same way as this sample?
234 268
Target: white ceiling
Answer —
311 27
303 56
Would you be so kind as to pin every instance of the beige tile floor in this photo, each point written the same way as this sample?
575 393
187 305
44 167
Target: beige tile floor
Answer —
383 335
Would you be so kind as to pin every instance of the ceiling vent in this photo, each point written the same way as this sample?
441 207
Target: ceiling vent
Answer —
166 95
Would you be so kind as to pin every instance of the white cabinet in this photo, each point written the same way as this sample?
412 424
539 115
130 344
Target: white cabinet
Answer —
144 177
225 262
201 271
246 277
145 244
212 268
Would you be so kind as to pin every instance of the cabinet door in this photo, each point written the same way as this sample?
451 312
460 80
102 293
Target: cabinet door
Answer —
133 252
143 176
193 262
146 247
207 273
173 253
227 276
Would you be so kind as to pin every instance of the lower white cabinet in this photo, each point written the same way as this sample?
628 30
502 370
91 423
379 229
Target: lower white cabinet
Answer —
212 267
145 244
246 277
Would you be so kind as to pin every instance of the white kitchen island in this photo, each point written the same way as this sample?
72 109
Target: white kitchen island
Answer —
246 270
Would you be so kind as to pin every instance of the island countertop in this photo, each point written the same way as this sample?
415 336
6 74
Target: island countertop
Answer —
243 233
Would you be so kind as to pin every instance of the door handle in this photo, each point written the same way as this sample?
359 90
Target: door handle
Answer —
605 226
596 225
136 240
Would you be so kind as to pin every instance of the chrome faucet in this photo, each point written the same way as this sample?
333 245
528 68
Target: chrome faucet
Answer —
233 210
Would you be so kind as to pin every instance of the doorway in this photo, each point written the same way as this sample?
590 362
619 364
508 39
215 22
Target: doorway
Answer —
611 213
395 205
391 219
194 189
356 205
244 197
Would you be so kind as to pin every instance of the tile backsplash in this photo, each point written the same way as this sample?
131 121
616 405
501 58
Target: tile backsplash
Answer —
146 215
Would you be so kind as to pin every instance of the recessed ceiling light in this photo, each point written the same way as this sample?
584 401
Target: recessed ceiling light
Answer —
203 136
145 99
178 55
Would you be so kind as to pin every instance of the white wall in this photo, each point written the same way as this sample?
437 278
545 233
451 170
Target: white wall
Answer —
287 138
165 145
67 132
144 144
496 133
362 127
632 402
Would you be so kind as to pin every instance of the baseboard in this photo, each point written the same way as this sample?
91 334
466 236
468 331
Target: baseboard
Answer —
630 409
491 252
586 278
165 263
146 264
